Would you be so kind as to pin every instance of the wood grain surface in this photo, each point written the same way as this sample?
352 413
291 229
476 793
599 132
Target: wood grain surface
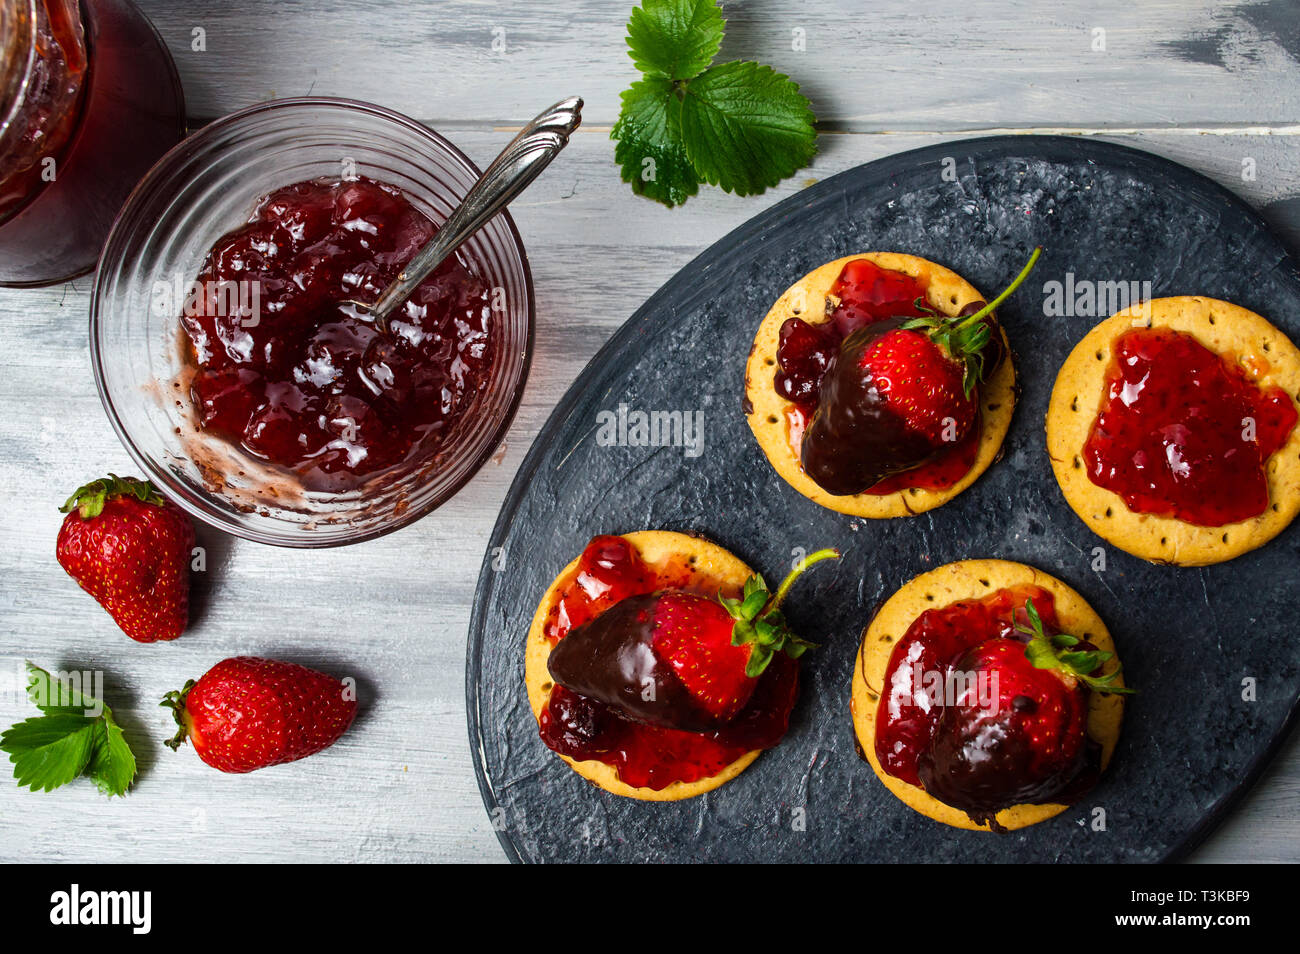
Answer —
1215 86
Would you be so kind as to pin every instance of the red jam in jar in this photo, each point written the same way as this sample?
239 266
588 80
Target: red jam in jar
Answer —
609 570
1184 433
300 379
866 293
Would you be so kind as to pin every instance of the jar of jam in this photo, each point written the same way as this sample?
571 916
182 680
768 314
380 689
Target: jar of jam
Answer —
89 100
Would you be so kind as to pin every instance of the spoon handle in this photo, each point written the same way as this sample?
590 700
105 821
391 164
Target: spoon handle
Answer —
509 174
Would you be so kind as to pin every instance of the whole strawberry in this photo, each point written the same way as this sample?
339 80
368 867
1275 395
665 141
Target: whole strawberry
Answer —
679 659
130 549
247 713
1018 732
899 392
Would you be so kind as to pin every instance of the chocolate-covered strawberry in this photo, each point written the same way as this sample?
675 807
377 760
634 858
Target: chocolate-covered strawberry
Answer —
1018 732
678 659
900 391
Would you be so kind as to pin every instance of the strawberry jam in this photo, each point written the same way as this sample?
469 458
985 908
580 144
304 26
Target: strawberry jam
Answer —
864 294
304 382
1183 432
1017 737
610 572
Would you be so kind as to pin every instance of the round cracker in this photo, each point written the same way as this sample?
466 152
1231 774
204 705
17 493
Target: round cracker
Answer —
973 579
657 548
1266 355
947 293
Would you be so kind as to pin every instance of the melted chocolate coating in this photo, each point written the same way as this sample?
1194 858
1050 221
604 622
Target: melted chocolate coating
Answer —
611 659
854 440
988 766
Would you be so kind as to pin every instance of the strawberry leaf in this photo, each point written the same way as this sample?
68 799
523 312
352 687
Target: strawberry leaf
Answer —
650 148
1044 652
741 126
676 39
746 127
51 696
67 740
112 764
49 750
89 499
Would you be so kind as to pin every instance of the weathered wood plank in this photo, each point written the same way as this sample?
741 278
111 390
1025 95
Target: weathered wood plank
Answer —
894 64
392 612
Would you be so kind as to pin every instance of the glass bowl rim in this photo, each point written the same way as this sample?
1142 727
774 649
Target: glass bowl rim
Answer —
158 474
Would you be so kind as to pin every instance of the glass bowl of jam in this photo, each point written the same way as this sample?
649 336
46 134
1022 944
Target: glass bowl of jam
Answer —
233 367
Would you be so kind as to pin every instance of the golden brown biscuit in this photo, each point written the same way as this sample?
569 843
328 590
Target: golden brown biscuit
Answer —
1266 355
947 293
707 562
973 579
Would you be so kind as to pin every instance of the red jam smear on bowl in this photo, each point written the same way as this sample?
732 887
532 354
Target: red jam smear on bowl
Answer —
609 570
866 293
1173 436
310 384
937 639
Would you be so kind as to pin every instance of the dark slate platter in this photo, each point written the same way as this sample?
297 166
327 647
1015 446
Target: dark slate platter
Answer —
1188 637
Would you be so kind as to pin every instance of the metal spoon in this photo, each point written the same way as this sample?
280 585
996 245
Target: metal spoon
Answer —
509 174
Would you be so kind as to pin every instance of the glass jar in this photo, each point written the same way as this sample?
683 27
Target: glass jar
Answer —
42 74
89 100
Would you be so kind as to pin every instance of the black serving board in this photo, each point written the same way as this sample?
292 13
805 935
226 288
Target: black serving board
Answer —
1188 637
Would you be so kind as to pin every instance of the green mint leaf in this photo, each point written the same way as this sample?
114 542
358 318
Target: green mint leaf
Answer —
112 763
676 39
50 750
650 149
746 127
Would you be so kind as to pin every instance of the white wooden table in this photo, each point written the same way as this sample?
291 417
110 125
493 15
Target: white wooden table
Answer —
1216 87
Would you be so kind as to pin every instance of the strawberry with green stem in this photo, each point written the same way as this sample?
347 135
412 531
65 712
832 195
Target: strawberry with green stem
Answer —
899 392
130 548
247 713
680 659
1023 737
